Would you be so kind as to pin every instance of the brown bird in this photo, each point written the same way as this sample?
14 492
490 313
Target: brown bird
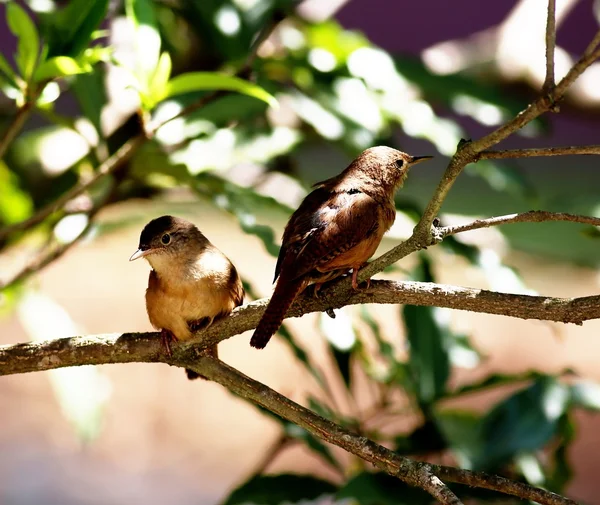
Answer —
337 227
192 283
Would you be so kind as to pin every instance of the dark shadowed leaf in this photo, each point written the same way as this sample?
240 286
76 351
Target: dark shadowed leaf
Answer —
461 431
495 380
525 421
276 489
70 29
561 471
381 489
429 362
91 94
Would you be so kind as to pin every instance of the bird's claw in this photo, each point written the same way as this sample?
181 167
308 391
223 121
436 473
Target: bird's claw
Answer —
166 337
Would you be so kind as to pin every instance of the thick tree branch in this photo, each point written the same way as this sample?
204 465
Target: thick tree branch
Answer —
544 151
533 216
550 44
145 347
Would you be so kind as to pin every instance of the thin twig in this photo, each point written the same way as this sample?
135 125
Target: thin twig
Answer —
543 151
550 45
533 216
15 126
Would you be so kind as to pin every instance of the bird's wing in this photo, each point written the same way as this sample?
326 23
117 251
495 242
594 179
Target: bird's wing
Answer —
326 225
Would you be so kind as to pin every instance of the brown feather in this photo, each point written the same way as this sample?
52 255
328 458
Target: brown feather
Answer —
337 227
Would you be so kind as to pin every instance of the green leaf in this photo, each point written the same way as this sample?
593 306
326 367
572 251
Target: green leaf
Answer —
495 380
59 66
90 92
203 81
71 29
586 394
28 47
561 471
524 422
276 489
7 71
462 433
428 340
158 82
15 204
505 177
381 489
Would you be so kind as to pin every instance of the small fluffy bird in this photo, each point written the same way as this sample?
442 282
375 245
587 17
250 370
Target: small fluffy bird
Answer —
337 227
192 283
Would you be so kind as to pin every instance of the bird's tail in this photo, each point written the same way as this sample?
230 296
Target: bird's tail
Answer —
284 295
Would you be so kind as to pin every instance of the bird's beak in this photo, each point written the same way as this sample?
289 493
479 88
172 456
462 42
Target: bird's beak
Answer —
419 159
140 253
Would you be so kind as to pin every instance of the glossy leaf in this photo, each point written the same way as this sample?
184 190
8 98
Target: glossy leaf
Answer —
381 489
278 489
28 47
525 421
72 28
59 66
204 81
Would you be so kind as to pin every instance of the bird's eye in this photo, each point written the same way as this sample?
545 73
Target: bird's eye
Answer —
400 163
165 239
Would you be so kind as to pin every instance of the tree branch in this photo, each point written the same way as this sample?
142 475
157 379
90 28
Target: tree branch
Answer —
16 125
145 347
550 44
543 151
533 216
416 473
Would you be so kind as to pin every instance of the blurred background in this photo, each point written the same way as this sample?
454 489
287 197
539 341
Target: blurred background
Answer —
81 79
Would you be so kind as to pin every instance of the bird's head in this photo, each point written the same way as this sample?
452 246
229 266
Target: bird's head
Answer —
386 165
166 239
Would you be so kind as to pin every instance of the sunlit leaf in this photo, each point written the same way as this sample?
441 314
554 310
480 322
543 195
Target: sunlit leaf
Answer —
15 203
278 489
28 46
59 66
158 82
586 394
147 38
72 27
381 489
203 81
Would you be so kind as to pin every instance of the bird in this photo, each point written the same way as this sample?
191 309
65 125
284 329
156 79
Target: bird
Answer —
337 227
192 283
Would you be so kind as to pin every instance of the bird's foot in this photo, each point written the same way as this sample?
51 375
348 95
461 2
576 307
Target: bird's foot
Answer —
316 288
166 337
200 324
355 285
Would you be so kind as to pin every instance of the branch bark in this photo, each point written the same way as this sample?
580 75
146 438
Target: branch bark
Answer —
145 347
544 151
550 45
533 216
